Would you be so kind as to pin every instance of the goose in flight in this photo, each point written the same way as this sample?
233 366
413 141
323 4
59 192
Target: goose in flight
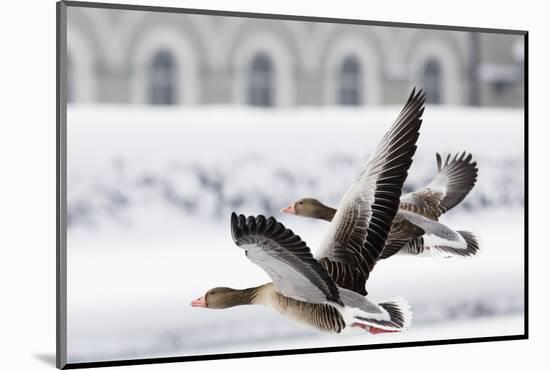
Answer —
327 292
416 229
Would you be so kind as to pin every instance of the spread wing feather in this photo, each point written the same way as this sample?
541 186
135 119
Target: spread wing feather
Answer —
285 258
454 179
361 224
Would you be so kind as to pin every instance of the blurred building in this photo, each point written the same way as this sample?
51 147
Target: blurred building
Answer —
142 57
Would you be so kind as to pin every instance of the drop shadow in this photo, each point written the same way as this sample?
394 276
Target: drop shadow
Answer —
47 358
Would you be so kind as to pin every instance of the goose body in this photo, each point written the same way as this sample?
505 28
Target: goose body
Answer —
322 316
358 313
312 290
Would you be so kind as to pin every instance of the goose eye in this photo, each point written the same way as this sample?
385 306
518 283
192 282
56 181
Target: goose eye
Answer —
301 203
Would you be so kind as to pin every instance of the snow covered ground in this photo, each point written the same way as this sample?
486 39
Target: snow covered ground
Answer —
211 161
127 301
150 192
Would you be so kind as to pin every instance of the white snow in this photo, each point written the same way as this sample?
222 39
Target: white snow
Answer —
454 329
151 190
211 161
128 300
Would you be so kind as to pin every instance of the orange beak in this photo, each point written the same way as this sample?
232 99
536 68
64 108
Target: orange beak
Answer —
199 302
290 210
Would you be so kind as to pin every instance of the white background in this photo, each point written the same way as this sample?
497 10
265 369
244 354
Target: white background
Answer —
27 203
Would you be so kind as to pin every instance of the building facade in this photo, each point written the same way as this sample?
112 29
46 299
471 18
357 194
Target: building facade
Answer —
137 57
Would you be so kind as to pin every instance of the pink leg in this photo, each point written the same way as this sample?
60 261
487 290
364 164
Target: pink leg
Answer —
374 330
360 325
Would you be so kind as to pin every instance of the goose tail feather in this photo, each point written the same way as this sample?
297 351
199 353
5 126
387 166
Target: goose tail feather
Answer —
472 247
399 317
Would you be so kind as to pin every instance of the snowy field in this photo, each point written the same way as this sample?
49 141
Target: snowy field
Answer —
209 162
150 192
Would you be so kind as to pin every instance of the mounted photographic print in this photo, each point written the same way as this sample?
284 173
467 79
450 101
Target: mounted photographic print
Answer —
237 184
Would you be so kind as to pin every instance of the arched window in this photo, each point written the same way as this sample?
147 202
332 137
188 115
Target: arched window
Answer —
162 87
349 82
432 81
260 89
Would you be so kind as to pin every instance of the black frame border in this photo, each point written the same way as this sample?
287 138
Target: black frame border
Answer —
60 191
61 194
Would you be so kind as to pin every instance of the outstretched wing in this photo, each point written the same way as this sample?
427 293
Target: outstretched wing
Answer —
361 224
285 258
453 181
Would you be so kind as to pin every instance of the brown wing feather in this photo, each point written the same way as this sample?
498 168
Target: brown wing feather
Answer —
351 256
402 231
462 176
280 243
454 180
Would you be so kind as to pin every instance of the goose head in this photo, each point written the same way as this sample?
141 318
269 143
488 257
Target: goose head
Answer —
310 207
223 297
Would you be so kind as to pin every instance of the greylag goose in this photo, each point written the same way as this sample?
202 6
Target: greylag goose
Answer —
416 228
327 292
